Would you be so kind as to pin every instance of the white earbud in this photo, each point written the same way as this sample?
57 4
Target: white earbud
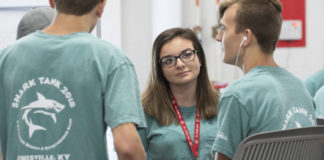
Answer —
239 49
244 39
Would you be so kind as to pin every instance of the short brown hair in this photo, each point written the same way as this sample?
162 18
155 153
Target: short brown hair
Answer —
157 96
262 17
75 7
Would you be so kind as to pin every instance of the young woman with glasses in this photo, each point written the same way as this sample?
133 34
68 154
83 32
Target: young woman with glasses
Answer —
179 101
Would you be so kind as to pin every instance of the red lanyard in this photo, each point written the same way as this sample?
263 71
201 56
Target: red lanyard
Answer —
194 148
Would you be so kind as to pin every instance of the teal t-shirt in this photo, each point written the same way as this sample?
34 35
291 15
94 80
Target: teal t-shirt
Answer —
265 99
169 142
319 103
315 82
58 94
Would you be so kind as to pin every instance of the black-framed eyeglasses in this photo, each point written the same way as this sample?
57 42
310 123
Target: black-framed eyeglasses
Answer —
185 56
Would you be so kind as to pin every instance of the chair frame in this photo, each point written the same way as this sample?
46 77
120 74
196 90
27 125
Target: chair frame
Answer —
320 121
291 144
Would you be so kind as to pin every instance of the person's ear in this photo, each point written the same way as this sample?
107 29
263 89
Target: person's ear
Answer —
101 7
247 38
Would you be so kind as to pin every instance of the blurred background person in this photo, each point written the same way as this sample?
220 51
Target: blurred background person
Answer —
319 103
35 19
315 86
314 82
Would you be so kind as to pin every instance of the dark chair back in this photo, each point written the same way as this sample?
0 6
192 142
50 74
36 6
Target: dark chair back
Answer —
292 144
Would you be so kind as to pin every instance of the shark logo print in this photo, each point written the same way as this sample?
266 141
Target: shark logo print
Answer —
296 117
43 106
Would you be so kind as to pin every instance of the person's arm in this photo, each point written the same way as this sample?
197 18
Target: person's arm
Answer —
127 142
232 127
221 157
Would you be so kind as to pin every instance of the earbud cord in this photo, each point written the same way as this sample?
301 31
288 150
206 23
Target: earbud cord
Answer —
238 52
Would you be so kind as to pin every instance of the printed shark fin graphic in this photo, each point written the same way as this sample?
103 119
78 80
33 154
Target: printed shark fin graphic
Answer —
40 96
24 117
48 114
298 125
53 117
33 128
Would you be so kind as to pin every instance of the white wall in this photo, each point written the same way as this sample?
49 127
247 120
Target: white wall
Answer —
8 30
306 60
111 23
162 10
137 35
208 20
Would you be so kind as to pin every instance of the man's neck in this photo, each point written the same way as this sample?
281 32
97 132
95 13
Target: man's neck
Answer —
185 95
255 57
67 24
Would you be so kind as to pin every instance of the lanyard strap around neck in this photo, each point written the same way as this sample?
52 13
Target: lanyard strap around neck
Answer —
194 147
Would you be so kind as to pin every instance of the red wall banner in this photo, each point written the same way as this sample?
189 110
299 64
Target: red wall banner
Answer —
294 10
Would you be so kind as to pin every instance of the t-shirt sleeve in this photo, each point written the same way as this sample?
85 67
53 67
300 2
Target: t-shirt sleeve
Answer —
319 103
122 97
232 126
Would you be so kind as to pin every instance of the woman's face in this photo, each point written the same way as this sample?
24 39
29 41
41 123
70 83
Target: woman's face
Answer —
183 70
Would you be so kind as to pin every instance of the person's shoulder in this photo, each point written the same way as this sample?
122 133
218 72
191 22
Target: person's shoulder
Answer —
105 50
238 92
315 76
241 85
5 51
4 56
319 73
319 93
113 49
89 39
259 78
2 53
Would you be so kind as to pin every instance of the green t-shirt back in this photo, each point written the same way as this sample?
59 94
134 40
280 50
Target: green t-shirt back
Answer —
58 94
265 99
